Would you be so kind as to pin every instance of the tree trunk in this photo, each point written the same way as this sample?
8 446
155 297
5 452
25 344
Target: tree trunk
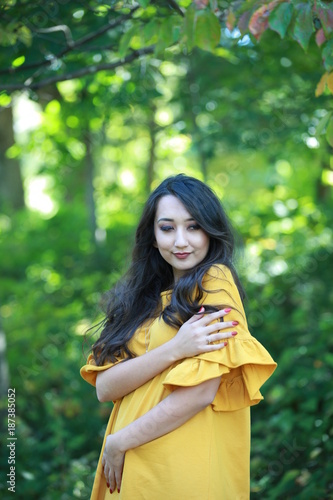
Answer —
90 186
11 185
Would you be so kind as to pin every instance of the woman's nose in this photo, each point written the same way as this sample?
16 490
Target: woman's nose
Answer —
181 240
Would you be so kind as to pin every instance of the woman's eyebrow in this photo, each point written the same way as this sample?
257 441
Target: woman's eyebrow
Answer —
172 220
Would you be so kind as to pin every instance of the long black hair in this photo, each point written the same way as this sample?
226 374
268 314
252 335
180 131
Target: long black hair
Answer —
137 296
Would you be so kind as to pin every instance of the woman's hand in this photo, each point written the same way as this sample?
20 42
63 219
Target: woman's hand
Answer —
197 334
113 462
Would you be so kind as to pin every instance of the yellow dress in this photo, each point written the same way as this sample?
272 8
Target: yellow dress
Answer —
208 457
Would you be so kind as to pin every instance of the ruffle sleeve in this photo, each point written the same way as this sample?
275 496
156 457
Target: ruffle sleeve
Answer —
244 364
90 370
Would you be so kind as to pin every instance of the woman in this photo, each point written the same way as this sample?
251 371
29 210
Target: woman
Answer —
180 426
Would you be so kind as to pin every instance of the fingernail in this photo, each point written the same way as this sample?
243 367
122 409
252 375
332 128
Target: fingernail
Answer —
118 490
227 310
107 484
234 323
234 334
225 343
111 491
201 309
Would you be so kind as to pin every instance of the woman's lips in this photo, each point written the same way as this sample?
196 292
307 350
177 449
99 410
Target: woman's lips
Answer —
182 255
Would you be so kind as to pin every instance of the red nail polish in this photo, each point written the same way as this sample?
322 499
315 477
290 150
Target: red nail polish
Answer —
107 484
111 491
234 334
227 310
234 323
225 343
118 490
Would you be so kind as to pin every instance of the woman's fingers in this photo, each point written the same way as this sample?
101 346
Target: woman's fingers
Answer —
197 316
215 327
118 475
215 337
205 319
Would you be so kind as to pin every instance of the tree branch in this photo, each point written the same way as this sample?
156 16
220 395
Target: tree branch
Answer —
70 46
79 73
174 5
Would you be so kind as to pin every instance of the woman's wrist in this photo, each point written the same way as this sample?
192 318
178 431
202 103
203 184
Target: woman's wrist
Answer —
118 441
172 351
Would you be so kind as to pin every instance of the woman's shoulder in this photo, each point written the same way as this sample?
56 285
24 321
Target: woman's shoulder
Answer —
218 276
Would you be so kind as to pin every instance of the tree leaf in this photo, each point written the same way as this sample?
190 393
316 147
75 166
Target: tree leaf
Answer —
243 22
201 4
329 132
169 32
144 3
25 35
150 30
325 15
327 54
329 82
320 37
207 31
189 27
231 20
303 27
320 129
259 21
280 18
321 86
126 40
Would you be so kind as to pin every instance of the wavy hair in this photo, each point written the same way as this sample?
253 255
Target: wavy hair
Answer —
137 295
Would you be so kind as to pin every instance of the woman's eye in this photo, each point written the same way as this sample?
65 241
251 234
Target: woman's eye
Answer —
166 228
194 227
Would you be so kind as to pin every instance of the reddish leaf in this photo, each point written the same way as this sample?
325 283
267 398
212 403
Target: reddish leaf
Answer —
243 22
325 15
231 20
321 86
259 21
325 81
303 28
320 37
201 4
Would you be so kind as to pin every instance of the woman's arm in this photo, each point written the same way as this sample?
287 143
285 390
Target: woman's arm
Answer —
181 405
190 340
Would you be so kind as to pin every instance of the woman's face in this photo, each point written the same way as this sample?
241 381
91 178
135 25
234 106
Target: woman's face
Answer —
179 239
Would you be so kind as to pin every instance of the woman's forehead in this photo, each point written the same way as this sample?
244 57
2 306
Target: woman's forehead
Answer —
170 207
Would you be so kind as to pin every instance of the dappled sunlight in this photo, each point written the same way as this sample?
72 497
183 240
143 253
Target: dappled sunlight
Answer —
27 113
37 197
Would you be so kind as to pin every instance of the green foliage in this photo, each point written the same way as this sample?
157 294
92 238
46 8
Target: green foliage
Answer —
64 40
52 281
280 18
241 115
303 28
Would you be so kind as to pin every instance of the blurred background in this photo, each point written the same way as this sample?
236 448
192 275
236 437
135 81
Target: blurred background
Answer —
80 150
